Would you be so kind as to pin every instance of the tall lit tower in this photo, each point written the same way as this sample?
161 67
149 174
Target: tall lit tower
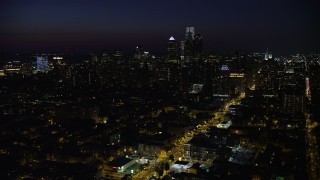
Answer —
42 64
192 46
172 49
188 44
190 33
267 55
197 46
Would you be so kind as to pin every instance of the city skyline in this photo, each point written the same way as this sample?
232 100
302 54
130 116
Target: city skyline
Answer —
284 27
159 90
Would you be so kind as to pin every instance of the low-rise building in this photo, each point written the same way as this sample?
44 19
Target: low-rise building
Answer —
120 164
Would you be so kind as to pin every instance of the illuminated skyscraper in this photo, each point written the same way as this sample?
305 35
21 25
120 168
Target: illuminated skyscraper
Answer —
190 33
221 83
172 49
188 44
267 55
192 46
138 54
42 64
197 46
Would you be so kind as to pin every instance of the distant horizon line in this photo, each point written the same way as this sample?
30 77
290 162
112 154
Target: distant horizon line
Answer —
130 52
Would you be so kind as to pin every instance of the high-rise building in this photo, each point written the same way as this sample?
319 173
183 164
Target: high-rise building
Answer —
138 54
182 50
118 57
267 79
188 44
267 55
172 49
187 51
105 57
192 46
197 46
293 100
221 82
236 80
42 64
12 67
190 33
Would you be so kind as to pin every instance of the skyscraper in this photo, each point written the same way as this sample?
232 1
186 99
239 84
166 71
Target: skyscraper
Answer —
172 49
190 33
267 55
192 46
42 64
197 46
267 79
188 44
293 100
138 54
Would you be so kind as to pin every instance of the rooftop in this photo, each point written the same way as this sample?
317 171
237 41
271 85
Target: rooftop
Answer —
121 161
171 38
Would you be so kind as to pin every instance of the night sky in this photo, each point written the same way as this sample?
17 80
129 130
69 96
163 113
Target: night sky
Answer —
284 26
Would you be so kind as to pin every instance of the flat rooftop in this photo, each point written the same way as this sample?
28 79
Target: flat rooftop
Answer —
121 161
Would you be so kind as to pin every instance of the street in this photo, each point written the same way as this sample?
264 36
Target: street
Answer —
177 151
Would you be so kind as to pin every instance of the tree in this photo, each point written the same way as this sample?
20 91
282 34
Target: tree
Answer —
166 166
127 177
160 172
171 157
